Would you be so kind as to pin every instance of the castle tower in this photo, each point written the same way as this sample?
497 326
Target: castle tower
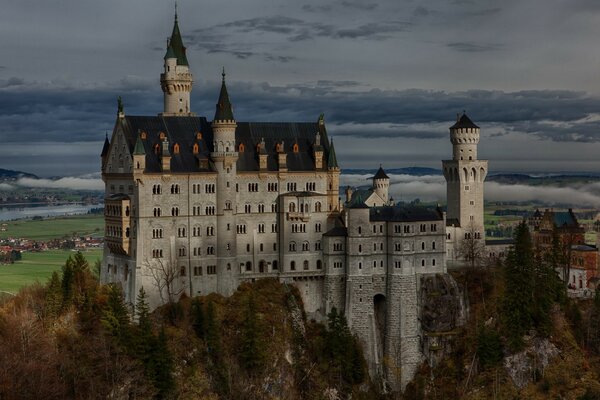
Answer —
381 185
465 176
225 158
176 80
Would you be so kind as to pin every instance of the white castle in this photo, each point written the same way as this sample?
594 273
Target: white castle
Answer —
195 206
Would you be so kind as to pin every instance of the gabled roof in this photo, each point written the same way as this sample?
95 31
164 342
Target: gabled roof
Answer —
176 49
565 218
337 231
359 196
224 110
464 122
184 131
381 174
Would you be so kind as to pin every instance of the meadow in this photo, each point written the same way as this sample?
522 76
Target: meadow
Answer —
38 267
54 228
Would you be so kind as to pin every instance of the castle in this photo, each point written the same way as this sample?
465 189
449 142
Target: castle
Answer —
196 206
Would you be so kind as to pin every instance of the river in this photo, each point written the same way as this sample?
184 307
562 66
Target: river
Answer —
19 211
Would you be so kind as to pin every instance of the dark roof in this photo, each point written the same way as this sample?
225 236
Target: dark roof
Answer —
105 147
332 159
337 231
404 214
453 222
184 130
224 110
499 242
139 147
357 200
565 218
464 122
381 174
176 47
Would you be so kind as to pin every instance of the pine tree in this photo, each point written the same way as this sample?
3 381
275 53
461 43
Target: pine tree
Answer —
518 298
67 283
489 347
115 317
53 296
162 366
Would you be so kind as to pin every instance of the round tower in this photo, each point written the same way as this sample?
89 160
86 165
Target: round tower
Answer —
381 184
225 156
465 176
176 80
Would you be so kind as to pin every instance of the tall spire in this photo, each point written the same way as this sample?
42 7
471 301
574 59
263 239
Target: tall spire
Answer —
175 48
224 110
332 159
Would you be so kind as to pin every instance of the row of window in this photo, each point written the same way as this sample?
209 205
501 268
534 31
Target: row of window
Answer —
304 207
115 211
115 231
305 246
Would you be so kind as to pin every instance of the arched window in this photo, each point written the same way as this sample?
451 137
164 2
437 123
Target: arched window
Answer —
293 265
295 147
198 135
306 265
319 264
162 136
176 148
318 206
156 148
274 264
292 207
182 271
241 148
196 148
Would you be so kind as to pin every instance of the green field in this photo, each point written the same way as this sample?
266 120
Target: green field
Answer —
38 267
54 228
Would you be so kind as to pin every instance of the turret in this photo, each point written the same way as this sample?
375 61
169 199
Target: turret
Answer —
139 155
176 80
224 122
381 184
464 135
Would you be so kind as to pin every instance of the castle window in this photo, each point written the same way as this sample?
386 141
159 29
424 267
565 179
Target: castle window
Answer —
198 135
274 264
305 246
433 262
253 187
176 148
433 227
360 248
210 231
241 148
359 230
196 148
157 211
182 271
318 206
318 227
422 245
175 211
292 246
248 208
292 207
260 247
293 265
274 246
433 245
422 263
306 265
249 266
248 248
295 147
210 250
162 136
261 228
228 205
359 265
319 264
211 269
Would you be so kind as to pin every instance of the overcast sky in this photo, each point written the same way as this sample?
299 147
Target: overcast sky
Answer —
390 76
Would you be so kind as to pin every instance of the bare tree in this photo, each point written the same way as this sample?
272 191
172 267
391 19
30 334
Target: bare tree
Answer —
472 247
165 276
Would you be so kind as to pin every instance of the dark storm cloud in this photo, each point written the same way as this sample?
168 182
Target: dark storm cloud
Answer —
55 112
293 29
473 47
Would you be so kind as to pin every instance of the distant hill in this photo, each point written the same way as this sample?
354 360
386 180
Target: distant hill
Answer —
550 180
415 171
10 175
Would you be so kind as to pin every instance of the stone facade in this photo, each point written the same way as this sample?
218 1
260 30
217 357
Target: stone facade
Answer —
198 207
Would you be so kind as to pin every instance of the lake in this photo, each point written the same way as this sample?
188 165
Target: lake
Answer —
19 211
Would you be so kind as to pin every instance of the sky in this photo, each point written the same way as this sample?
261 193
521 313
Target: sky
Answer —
390 76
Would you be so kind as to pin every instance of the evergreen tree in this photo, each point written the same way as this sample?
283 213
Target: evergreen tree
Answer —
54 296
251 353
115 317
213 337
67 282
518 299
198 319
489 347
162 366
